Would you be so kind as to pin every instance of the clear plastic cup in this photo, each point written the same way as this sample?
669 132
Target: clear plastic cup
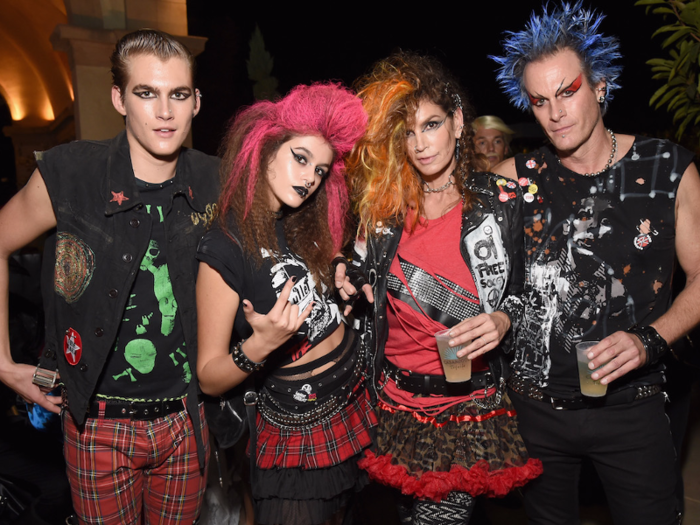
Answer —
589 386
457 369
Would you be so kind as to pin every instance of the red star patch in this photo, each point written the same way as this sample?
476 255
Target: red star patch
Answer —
118 197
72 346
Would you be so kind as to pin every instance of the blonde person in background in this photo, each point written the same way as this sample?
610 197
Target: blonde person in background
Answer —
492 138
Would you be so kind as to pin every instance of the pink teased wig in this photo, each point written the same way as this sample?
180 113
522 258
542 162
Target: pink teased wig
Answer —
327 110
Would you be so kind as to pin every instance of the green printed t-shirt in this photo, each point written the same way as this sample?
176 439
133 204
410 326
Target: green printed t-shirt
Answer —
149 358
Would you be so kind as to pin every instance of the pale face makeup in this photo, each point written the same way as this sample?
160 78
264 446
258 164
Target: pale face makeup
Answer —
159 103
296 170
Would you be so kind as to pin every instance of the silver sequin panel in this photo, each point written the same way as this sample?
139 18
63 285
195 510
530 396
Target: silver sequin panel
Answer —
441 294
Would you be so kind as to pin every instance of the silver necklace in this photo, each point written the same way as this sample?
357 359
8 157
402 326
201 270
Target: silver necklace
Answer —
610 160
428 189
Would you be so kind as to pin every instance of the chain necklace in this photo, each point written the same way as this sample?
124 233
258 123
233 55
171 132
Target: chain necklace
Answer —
428 189
610 160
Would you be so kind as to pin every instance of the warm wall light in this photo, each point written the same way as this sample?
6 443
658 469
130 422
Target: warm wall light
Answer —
47 111
21 108
16 111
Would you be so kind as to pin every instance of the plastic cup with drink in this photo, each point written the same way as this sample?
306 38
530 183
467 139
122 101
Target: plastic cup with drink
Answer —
457 369
589 386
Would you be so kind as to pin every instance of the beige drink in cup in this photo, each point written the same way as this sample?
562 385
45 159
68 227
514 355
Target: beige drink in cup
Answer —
457 369
589 386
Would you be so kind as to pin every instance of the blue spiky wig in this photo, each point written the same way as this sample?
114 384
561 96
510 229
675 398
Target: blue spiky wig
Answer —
569 26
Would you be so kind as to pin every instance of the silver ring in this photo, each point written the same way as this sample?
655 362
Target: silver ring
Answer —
307 184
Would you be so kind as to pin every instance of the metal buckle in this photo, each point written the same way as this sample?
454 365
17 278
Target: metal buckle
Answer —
44 378
497 395
250 398
397 376
557 404
398 379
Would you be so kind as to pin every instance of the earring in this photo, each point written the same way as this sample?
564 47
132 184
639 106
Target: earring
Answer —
457 149
601 99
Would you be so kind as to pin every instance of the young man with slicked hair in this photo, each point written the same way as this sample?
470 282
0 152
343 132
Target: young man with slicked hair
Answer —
119 294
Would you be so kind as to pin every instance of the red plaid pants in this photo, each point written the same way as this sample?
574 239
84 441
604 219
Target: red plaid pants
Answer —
120 469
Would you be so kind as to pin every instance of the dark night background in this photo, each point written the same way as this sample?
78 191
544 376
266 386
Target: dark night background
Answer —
340 42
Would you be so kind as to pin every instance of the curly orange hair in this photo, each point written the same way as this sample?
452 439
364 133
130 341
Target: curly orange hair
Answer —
383 182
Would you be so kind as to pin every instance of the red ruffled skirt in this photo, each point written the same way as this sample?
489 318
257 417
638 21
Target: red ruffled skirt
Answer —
464 449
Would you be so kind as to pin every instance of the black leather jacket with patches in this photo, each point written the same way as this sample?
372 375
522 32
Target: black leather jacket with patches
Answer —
492 234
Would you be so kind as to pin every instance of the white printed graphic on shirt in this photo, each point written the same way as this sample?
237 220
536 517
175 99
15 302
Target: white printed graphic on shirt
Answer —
324 312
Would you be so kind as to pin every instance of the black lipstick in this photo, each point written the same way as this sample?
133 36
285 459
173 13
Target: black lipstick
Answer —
301 190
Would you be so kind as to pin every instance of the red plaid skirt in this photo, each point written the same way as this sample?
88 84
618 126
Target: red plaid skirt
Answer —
334 404
328 443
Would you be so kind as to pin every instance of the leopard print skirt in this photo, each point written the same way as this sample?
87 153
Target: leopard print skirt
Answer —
465 449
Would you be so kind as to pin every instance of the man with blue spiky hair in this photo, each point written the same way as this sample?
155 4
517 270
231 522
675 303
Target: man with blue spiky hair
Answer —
605 216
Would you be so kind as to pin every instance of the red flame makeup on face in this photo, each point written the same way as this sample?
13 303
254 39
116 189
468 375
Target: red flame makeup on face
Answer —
571 89
574 86
533 100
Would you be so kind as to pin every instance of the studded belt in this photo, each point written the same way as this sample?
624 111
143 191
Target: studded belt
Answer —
134 410
627 395
278 414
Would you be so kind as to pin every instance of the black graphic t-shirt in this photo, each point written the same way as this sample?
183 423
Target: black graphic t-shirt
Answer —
262 286
599 257
149 359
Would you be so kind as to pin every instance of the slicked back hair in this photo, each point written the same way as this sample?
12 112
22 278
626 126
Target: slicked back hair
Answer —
145 42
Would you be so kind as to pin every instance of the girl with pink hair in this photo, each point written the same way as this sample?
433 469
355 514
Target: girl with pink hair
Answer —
266 306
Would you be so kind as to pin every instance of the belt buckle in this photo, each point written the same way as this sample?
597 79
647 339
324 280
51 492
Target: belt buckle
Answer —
132 410
557 404
398 378
250 398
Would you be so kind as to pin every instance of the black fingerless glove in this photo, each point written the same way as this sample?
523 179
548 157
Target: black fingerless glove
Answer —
357 277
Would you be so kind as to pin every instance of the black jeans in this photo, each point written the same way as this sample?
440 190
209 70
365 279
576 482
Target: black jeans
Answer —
629 445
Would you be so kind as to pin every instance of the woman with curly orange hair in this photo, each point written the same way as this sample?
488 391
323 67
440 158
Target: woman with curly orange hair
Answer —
441 246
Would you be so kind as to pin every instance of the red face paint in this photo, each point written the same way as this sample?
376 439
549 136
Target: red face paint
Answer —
574 86
534 101
570 90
